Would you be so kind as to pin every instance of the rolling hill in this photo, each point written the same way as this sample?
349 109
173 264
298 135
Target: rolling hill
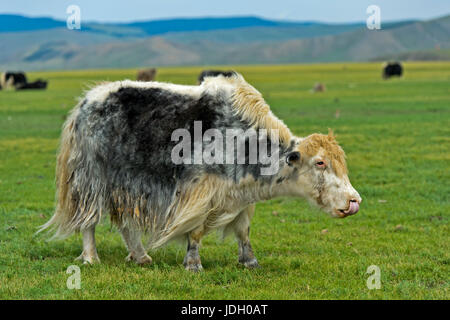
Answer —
208 41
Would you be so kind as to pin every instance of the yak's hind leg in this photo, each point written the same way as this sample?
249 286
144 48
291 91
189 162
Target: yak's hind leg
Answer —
241 227
89 254
133 241
192 260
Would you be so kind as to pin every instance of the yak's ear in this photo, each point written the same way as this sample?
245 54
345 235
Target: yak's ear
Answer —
293 157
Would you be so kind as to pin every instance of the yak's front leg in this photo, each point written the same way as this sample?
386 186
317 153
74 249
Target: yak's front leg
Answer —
241 226
89 254
192 260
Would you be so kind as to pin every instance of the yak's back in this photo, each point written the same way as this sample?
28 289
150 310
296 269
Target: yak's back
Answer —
129 125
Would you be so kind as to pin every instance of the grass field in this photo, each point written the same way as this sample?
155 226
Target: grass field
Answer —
397 137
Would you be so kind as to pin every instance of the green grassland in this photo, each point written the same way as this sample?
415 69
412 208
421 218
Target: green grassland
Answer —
396 134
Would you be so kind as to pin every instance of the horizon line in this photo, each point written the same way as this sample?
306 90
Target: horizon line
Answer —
222 17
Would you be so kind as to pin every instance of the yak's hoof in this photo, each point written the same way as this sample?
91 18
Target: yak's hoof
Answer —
192 262
251 264
88 258
194 267
145 259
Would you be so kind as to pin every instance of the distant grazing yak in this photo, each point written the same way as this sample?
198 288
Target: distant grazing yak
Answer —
146 74
214 73
392 69
319 87
18 81
38 84
13 79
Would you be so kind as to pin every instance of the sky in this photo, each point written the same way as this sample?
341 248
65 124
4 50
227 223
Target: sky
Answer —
295 10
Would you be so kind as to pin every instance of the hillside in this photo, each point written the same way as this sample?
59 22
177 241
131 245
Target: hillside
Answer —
16 23
208 41
421 55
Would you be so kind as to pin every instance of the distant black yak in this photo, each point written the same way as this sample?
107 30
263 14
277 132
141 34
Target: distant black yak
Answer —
214 73
392 69
38 84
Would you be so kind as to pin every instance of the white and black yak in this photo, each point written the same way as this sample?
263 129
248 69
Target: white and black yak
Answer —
11 79
120 155
18 81
213 73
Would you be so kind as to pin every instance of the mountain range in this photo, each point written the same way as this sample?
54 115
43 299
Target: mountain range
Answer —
45 43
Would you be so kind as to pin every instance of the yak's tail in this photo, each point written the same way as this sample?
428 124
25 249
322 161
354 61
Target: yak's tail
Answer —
62 220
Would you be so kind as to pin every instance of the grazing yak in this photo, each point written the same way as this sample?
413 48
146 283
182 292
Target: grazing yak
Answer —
213 73
13 79
38 84
18 81
125 151
146 74
319 87
392 69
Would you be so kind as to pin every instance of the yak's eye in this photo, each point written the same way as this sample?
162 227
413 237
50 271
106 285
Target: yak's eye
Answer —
320 164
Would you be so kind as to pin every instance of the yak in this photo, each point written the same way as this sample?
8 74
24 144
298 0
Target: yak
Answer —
392 69
38 84
146 74
213 73
11 79
123 153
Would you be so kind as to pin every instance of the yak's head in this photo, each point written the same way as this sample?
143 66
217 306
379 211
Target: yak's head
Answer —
320 175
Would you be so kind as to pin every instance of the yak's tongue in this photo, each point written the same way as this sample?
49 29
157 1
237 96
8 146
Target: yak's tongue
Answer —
354 207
